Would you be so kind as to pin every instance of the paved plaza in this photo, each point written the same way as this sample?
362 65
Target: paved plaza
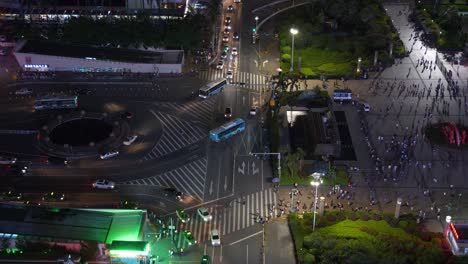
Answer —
394 159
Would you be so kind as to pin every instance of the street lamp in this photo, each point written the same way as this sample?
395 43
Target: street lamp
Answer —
293 33
316 182
359 64
256 23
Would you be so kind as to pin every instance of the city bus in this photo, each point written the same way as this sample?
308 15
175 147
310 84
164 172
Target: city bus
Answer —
342 95
212 88
56 102
229 129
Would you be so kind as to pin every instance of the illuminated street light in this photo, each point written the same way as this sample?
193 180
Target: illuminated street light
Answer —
316 182
293 33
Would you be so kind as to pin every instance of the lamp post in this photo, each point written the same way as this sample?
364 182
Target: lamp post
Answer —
293 33
359 65
316 182
256 23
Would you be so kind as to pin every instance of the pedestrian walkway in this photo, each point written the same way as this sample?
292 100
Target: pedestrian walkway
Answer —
197 110
177 134
237 215
252 81
190 179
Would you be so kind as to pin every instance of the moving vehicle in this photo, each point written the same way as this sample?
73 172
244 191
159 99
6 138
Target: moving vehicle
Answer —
234 51
228 26
230 8
204 214
109 154
366 107
220 65
7 160
227 20
223 55
3 38
24 91
215 239
235 36
84 91
227 130
253 111
56 102
12 196
128 205
188 236
31 203
53 197
205 259
237 1
228 112
103 184
126 115
212 88
226 37
130 140
57 160
173 192
182 215
229 74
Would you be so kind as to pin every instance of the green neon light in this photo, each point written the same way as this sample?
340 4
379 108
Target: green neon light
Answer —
131 253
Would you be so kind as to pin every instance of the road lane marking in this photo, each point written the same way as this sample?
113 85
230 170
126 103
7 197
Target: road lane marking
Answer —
245 238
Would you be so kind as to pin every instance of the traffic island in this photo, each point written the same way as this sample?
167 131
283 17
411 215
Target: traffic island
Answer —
80 135
447 135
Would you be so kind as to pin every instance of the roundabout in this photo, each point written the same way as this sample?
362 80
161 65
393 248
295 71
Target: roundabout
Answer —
80 135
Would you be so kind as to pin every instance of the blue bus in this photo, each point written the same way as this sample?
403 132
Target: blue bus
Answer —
229 129
56 102
212 88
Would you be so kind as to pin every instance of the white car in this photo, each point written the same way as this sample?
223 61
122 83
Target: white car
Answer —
229 75
253 111
130 140
203 213
109 154
215 239
220 65
24 91
7 160
237 1
234 52
366 107
103 184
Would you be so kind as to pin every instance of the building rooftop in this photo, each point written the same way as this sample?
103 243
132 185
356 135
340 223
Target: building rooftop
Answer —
99 53
100 225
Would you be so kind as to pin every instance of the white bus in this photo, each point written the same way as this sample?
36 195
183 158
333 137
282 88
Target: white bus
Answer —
212 88
56 102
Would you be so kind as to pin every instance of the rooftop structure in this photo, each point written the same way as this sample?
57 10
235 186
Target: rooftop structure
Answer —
99 53
43 223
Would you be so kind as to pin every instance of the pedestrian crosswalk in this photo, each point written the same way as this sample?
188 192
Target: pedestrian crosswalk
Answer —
248 80
237 215
189 179
200 110
176 134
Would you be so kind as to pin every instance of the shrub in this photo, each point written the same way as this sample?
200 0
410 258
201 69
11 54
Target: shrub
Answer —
308 72
286 58
309 259
308 241
377 217
353 217
286 49
365 217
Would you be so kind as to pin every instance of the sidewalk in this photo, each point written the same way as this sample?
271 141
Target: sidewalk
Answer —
279 247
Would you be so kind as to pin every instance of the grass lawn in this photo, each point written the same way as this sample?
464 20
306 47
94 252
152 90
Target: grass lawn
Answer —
353 229
317 61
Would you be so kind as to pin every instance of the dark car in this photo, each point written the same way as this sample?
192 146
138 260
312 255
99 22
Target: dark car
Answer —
12 196
128 205
127 115
53 197
235 36
57 160
84 91
174 193
228 112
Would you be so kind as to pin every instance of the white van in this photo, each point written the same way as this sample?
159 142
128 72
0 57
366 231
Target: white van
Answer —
109 154
366 107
